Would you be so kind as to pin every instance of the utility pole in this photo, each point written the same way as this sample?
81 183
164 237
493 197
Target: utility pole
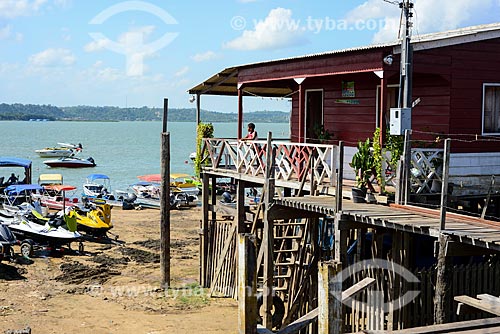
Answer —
405 78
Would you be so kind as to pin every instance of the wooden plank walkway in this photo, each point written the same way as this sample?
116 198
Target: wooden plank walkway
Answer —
463 229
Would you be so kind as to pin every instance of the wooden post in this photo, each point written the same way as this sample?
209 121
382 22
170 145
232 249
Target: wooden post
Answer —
330 298
444 183
382 109
340 239
165 115
204 230
240 113
165 210
442 297
240 207
268 238
407 167
213 200
247 284
198 109
340 178
301 114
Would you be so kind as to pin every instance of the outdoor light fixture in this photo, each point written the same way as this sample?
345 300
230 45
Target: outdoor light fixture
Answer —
388 60
192 98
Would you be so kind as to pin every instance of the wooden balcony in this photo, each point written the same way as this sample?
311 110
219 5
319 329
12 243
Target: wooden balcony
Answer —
293 164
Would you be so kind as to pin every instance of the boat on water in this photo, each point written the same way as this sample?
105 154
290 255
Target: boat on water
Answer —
178 181
54 197
64 150
50 179
70 162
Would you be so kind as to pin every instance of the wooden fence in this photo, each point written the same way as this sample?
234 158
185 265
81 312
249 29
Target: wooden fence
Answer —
367 312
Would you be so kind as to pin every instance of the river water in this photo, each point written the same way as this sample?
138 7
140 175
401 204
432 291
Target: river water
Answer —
122 150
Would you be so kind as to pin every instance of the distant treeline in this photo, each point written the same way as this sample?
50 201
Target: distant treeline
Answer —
26 112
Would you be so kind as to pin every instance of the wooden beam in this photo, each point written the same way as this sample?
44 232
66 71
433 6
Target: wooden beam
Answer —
330 298
446 328
444 184
340 178
455 248
278 212
247 284
268 239
485 305
165 209
241 216
357 288
300 323
240 113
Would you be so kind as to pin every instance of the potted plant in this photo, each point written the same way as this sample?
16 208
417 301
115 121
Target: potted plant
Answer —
363 163
321 134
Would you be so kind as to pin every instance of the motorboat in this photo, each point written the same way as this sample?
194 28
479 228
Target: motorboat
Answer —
98 186
50 179
192 156
178 181
70 162
148 195
12 162
19 193
64 150
54 197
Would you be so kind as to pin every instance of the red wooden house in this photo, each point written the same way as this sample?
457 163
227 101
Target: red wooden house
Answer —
456 89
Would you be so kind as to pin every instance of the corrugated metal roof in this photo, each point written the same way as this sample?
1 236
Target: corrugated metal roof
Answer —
219 85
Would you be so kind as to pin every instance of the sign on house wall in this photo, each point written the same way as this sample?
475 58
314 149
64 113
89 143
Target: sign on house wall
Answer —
348 89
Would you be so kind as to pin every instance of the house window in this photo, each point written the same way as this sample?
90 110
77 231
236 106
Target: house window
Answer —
491 109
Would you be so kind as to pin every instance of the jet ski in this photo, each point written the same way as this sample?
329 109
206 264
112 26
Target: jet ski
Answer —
37 232
7 240
93 218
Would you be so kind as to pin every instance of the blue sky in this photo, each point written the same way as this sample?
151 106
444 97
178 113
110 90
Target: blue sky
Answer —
48 54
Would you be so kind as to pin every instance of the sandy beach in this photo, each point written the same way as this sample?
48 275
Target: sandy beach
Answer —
116 288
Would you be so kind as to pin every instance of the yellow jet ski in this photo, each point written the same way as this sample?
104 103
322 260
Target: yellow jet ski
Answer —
94 218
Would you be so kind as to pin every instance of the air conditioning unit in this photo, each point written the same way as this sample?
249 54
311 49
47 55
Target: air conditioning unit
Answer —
400 121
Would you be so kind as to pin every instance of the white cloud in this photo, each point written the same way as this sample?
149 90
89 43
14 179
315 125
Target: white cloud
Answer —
205 56
96 45
182 71
15 8
430 15
5 32
53 58
278 30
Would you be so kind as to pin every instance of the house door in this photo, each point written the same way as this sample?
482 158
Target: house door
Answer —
314 113
392 102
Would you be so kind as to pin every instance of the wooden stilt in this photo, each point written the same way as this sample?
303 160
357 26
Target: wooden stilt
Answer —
330 298
442 298
268 240
240 207
247 284
165 210
204 230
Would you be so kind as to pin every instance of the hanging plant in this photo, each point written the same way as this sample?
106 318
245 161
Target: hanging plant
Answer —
378 159
204 130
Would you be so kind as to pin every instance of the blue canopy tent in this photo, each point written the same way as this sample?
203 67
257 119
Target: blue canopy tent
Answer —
18 162
93 177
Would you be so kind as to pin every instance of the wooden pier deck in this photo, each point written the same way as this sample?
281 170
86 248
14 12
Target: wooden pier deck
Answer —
463 229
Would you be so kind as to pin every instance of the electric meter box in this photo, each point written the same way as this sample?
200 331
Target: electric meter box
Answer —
400 121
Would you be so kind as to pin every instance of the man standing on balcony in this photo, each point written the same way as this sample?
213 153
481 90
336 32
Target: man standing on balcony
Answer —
252 134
